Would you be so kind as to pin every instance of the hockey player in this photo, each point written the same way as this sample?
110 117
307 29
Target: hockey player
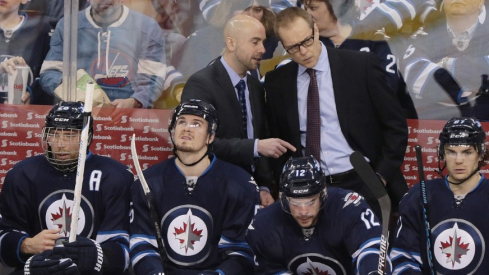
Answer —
203 204
37 197
314 229
454 207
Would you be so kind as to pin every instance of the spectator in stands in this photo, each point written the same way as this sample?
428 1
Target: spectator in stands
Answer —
120 48
443 66
336 20
23 36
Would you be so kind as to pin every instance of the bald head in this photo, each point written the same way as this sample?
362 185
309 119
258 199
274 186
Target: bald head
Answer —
243 36
240 23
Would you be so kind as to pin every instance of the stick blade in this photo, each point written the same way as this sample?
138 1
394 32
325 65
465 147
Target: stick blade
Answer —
362 167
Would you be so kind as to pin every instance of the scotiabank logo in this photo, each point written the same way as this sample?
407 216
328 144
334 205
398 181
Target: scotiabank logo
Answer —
3 162
4 143
4 124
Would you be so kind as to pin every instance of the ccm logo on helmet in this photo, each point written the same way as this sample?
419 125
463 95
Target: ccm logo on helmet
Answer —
300 191
61 119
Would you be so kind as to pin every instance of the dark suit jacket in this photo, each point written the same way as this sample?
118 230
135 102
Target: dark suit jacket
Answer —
370 117
213 85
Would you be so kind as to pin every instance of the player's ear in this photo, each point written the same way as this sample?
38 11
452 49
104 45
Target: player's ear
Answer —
210 138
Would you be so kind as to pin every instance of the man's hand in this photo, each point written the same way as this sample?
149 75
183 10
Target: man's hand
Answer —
86 253
265 198
273 147
44 240
46 264
8 66
126 103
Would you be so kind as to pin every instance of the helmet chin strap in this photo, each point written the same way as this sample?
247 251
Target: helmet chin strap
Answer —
193 163
464 180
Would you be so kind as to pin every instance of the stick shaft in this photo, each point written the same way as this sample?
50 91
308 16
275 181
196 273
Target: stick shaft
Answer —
82 155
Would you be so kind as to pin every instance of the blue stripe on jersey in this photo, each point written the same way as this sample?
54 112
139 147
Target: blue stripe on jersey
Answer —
406 266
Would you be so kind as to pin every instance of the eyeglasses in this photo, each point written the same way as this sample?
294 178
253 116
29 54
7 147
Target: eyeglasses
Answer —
304 43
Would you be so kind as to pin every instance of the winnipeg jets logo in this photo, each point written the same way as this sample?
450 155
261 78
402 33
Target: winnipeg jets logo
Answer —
62 218
454 249
188 235
56 209
315 264
352 198
458 245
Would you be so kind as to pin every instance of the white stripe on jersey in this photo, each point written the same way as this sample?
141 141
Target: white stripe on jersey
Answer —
393 14
51 65
151 67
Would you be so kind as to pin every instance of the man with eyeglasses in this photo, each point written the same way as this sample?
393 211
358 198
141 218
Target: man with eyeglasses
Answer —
454 205
203 205
348 107
239 99
314 229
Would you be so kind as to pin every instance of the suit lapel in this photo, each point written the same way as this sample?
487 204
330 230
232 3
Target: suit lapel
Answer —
228 92
340 88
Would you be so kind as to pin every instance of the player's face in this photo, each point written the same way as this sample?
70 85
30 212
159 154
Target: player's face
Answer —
249 46
462 7
254 11
64 143
320 14
298 32
461 161
305 210
191 134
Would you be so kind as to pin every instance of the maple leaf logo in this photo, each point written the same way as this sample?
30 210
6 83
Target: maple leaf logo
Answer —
454 250
187 235
62 219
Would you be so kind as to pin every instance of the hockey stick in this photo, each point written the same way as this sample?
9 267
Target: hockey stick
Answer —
82 155
362 167
149 199
419 159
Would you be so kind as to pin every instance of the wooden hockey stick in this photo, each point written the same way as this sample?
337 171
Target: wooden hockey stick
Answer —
149 199
82 155
367 174
419 159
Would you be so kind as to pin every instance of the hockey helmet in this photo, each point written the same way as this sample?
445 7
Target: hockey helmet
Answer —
302 177
65 120
462 131
199 108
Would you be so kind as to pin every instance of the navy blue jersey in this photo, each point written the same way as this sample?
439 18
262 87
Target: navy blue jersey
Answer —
346 239
459 231
203 229
35 196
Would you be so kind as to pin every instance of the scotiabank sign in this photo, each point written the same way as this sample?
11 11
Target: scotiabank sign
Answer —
21 128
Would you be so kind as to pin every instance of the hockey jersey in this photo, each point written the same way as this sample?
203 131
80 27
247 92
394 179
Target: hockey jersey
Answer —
203 221
35 196
458 231
126 59
345 240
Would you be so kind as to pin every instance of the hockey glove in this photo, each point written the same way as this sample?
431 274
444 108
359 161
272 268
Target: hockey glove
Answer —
47 264
86 253
209 272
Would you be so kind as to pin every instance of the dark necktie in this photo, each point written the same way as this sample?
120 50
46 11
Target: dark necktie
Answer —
241 87
313 131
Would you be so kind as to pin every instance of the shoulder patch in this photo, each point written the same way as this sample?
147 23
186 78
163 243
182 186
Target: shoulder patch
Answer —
352 198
